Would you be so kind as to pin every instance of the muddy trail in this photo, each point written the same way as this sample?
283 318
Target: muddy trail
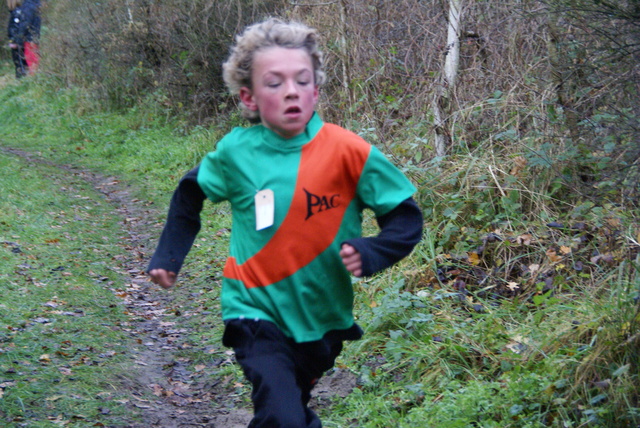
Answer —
182 396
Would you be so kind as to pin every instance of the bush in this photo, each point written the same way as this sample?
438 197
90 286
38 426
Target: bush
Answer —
126 51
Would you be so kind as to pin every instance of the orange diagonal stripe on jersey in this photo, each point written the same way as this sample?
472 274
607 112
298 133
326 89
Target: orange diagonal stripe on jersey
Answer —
329 167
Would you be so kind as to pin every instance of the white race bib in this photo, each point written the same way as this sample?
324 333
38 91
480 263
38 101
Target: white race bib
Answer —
264 209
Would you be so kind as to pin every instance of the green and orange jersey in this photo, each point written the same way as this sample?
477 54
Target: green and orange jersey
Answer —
291 273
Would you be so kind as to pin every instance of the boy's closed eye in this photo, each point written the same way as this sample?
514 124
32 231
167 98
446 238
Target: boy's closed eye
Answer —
276 84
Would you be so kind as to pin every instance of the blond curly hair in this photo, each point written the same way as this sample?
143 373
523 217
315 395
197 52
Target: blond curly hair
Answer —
273 32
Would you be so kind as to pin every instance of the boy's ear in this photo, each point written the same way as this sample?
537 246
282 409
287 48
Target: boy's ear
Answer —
246 96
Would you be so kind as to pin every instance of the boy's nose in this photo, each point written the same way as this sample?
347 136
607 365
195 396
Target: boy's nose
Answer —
291 89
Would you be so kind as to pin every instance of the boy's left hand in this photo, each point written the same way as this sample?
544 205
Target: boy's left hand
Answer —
352 259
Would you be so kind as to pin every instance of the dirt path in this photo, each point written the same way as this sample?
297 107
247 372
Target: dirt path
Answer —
182 397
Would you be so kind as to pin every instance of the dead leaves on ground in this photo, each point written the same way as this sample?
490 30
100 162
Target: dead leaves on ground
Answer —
158 325
505 265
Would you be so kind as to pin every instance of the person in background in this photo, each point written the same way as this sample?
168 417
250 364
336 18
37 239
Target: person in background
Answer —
24 31
297 188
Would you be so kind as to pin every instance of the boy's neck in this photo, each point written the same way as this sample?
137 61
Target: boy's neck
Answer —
310 131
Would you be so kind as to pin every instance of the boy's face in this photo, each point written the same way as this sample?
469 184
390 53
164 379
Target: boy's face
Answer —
284 90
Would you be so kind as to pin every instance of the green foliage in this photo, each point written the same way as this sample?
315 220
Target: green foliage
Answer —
142 144
435 363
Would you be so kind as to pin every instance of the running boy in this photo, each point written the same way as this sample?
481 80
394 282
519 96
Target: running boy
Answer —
297 187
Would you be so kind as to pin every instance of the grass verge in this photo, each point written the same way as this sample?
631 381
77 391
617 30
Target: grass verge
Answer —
61 346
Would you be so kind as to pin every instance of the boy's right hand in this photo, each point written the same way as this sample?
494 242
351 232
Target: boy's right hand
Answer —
163 278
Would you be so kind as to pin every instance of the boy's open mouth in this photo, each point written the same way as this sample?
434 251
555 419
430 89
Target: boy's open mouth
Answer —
292 110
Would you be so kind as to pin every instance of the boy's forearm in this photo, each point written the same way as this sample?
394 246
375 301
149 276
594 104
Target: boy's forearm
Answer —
182 225
401 230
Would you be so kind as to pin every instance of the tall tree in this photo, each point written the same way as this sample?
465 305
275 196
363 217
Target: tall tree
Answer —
442 105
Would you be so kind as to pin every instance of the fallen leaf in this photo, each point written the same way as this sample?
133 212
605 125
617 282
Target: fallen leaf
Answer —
614 222
58 420
524 239
157 389
83 417
607 258
565 250
474 259
513 286
520 162
141 406
553 256
516 347
167 324
54 398
604 384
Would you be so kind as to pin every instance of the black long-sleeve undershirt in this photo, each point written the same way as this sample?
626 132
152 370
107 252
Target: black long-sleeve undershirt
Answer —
400 231
182 225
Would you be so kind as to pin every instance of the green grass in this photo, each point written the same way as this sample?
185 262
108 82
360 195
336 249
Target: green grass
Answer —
429 361
137 145
60 345
562 352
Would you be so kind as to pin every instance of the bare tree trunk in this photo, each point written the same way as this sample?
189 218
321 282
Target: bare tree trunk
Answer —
453 43
442 104
129 13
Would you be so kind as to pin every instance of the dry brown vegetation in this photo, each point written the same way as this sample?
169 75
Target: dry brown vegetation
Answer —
554 82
